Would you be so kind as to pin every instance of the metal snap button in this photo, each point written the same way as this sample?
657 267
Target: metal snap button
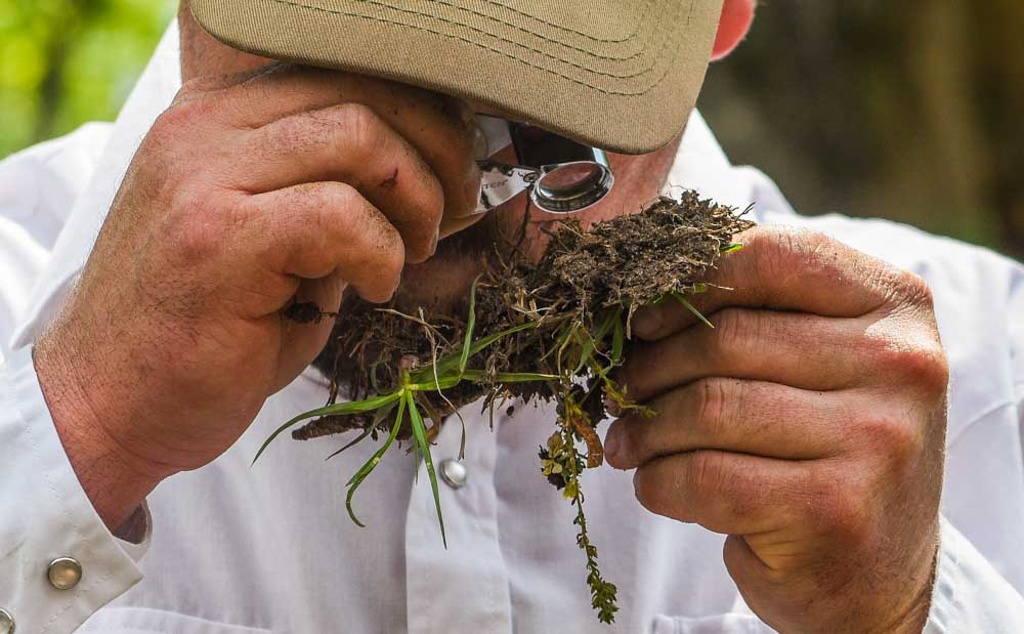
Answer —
454 473
6 622
64 573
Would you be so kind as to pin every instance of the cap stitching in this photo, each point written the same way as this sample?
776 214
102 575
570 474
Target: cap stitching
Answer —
562 28
532 17
655 61
450 22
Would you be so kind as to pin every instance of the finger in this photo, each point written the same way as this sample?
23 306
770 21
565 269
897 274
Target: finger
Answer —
761 345
438 126
280 90
786 269
204 86
350 144
724 492
302 342
310 231
753 417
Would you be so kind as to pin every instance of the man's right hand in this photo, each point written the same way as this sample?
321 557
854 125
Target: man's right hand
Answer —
248 193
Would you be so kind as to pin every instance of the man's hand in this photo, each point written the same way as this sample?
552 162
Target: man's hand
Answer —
249 193
808 426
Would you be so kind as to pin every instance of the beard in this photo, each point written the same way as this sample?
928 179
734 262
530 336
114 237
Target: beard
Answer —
440 286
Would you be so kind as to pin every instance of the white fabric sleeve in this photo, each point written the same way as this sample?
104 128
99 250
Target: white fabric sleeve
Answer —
969 594
45 514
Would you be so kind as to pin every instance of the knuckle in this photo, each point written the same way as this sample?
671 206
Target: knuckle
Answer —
184 113
192 89
894 439
707 475
739 334
195 238
336 205
728 329
926 366
330 208
918 360
361 127
841 507
794 250
712 399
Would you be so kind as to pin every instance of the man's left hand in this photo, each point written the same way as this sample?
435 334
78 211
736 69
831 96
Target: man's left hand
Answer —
808 426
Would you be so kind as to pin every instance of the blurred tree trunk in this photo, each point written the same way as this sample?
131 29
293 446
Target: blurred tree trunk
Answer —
999 65
912 111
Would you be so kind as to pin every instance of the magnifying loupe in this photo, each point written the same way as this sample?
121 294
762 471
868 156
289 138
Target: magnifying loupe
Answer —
562 176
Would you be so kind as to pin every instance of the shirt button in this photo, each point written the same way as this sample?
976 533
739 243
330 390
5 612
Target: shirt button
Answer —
6 622
454 473
64 573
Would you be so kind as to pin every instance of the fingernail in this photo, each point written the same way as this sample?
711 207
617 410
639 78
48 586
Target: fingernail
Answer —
613 447
481 147
646 321
433 243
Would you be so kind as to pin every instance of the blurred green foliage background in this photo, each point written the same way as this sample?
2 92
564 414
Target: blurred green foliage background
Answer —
65 62
911 111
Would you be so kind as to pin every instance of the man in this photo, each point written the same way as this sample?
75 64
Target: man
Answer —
809 427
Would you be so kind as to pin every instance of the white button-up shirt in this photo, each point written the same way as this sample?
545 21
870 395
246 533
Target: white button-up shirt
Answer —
237 549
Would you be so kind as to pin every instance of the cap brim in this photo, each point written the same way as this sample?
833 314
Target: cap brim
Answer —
618 75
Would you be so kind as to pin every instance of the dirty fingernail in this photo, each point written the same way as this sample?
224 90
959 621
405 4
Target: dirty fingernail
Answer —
433 243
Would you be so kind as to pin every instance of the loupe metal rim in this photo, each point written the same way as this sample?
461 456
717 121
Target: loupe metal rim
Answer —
548 200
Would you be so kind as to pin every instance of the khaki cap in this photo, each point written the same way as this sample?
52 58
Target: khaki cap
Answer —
622 75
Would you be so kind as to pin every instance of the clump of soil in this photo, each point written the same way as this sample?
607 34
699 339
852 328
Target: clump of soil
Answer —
552 330
618 265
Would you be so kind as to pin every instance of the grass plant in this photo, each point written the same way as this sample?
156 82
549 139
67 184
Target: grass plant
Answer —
561 328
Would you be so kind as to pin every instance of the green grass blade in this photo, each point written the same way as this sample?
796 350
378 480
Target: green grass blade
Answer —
420 433
566 340
360 438
372 463
435 385
339 409
509 377
451 362
690 307
618 339
586 352
470 327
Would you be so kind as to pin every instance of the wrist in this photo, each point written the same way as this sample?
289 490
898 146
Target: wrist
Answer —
115 481
915 616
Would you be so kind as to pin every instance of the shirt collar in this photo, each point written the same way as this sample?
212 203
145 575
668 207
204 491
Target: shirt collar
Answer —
700 164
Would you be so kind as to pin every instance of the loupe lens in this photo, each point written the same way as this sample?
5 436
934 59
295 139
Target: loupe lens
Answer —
571 187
